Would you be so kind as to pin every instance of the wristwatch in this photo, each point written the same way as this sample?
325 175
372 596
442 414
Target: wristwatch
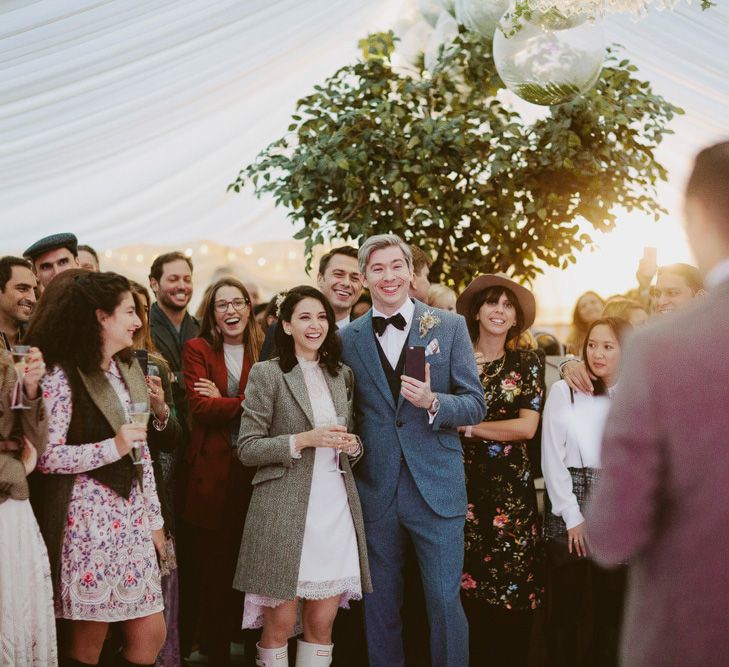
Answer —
434 406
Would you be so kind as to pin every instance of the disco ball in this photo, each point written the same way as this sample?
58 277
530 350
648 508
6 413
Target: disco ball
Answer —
481 16
549 58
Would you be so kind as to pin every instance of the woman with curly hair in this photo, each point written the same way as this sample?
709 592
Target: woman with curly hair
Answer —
99 512
502 563
217 488
304 534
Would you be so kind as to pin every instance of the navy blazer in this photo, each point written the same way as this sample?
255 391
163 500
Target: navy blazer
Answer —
391 430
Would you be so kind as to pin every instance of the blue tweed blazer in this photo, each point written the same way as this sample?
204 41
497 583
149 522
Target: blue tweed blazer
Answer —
391 429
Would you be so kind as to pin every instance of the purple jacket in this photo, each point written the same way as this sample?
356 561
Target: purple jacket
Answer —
663 498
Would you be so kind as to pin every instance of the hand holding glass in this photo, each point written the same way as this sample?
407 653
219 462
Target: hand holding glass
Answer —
138 414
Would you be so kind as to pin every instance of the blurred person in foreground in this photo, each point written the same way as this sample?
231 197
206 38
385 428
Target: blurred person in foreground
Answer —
661 501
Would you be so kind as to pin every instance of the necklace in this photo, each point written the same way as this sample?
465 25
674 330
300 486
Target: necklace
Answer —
486 372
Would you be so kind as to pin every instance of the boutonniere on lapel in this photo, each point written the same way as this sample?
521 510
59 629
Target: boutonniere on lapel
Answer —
427 321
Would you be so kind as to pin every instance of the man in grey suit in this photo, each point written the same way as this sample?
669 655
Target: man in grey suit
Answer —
662 501
411 478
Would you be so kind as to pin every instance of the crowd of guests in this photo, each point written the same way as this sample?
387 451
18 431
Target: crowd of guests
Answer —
246 473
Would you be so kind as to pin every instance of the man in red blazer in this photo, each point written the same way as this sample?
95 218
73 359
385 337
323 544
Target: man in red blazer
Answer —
662 501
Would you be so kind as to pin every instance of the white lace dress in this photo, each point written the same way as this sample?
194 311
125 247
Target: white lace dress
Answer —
329 563
27 622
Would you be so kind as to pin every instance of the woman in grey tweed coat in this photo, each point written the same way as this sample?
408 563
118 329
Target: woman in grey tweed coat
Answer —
304 534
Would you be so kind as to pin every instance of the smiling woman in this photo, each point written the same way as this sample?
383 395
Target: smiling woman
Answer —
217 489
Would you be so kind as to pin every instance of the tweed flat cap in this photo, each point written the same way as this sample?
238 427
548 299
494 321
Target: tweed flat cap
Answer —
52 242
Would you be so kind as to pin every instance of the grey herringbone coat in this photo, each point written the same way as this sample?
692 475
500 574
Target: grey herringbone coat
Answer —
277 405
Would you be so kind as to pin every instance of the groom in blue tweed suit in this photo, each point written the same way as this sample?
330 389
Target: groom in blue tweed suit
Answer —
411 479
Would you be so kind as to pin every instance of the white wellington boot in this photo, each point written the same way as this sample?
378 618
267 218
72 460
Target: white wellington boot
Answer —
272 657
313 655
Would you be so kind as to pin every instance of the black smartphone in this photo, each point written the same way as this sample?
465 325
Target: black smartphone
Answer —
415 362
143 359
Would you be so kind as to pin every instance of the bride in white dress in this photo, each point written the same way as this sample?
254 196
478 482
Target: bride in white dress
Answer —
303 551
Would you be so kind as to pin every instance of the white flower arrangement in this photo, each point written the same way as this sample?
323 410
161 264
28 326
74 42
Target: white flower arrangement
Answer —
427 321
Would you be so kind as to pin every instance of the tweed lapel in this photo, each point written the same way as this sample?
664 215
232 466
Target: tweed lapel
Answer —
295 380
338 391
106 399
367 350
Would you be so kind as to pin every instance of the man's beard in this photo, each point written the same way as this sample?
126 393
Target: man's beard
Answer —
171 305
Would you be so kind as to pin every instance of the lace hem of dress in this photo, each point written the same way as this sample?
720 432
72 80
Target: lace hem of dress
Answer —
350 588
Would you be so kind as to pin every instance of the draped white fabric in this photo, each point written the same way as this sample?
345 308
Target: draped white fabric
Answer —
124 120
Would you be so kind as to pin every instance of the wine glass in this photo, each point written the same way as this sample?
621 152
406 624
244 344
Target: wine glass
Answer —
138 414
19 352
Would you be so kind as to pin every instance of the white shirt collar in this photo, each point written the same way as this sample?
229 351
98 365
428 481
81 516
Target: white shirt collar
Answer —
344 321
718 275
407 310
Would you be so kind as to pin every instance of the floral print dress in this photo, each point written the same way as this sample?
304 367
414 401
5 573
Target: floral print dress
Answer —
502 564
109 568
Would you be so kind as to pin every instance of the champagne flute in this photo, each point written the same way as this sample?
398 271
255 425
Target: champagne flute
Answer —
340 421
19 352
138 414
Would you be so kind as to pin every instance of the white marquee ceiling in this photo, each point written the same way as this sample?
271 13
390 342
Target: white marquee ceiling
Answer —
124 120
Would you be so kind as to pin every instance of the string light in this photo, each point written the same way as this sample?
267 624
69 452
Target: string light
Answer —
248 250
232 256
124 257
188 252
140 258
204 249
261 261
108 254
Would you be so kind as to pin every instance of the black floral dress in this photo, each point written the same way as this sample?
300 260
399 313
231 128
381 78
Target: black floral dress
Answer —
503 558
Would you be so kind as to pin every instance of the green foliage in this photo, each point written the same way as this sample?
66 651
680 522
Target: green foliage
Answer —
439 160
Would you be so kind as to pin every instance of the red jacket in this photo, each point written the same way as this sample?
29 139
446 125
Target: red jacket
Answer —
211 461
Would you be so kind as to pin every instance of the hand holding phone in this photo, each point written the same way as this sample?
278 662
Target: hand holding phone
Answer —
415 362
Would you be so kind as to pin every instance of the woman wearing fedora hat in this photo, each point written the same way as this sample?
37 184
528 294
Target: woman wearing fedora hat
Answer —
502 566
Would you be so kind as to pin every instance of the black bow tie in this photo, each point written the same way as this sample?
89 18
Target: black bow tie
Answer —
379 324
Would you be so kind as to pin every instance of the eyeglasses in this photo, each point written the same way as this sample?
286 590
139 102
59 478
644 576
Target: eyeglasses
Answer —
238 304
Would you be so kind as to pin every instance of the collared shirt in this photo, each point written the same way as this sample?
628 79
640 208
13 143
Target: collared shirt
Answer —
393 340
343 322
572 429
718 275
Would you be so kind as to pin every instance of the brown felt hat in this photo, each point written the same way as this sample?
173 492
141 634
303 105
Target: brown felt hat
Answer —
527 304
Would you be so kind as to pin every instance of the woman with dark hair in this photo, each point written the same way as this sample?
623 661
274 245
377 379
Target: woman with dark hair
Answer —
216 487
27 623
583 621
501 580
304 534
587 309
162 446
99 512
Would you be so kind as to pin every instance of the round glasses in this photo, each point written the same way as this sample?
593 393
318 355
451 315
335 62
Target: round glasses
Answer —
238 304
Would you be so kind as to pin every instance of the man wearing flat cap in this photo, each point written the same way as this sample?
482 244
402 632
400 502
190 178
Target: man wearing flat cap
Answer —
51 255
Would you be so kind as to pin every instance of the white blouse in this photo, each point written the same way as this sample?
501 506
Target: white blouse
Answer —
571 438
